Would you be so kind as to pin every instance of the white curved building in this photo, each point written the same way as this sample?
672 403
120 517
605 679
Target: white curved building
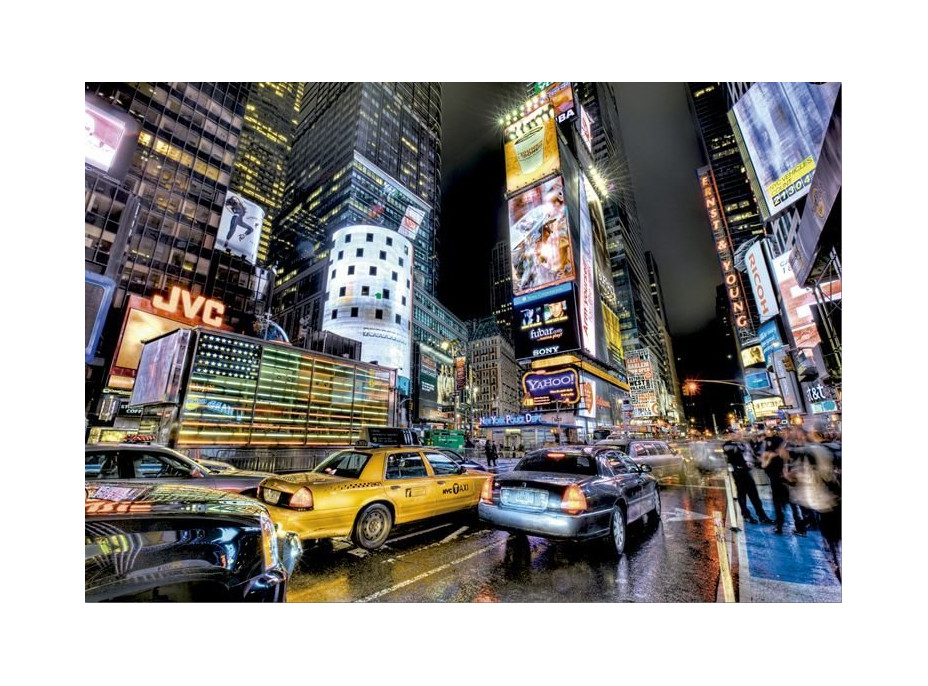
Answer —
369 294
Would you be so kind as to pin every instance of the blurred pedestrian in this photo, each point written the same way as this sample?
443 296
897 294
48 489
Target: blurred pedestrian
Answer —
804 517
773 462
737 452
818 488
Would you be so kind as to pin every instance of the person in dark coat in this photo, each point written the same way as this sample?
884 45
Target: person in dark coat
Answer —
773 462
490 453
737 452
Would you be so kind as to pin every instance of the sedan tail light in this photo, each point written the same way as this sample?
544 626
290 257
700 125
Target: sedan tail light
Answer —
486 493
302 499
573 502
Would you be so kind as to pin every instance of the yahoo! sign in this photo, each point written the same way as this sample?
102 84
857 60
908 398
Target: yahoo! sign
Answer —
545 387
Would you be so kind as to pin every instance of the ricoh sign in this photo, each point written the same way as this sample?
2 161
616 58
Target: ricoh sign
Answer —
760 283
555 386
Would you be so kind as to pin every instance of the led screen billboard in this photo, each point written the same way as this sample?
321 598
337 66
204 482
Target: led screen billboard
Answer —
587 278
539 238
780 127
752 356
798 303
387 202
546 325
531 152
110 137
550 386
240 227
160 368
139 326
759 276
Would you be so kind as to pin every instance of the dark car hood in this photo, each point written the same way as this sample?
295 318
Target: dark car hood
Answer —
104 498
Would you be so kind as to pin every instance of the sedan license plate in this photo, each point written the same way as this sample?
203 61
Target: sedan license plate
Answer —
524 497
271 496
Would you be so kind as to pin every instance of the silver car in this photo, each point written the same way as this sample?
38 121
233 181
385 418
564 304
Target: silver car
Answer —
159 464
664 461
572 493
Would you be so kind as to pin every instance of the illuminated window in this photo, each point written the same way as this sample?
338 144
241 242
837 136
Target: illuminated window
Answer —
378 314
350 270
354 311
373 271
359 252
365 290
341 292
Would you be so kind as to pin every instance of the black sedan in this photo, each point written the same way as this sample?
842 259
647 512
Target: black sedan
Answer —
169 543
572 493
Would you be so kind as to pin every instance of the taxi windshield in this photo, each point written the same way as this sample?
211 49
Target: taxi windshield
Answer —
347 463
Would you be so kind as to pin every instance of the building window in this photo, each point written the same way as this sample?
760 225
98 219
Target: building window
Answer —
405 249
373 271
378 314
333 273
365 290
395 276
404 299
334 314
341 254
399 319
347 238
350 270
402 262
370 238
354 311
359 252
383 254
341 292
389 240
386 293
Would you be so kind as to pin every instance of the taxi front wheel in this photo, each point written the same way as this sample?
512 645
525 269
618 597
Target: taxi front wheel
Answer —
372 526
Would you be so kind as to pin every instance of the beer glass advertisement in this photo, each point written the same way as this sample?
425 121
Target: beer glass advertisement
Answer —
240 227
546 325
539 238
531 150
782 127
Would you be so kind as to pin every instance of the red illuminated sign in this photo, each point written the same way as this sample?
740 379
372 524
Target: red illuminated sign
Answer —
182 302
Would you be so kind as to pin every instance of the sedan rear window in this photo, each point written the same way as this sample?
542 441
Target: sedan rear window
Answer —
347 463
562 463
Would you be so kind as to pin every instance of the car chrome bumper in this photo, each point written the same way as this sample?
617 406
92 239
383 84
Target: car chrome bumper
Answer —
546 524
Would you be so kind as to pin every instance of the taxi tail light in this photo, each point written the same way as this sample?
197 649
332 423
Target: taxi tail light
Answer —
486 493
573 501
302 499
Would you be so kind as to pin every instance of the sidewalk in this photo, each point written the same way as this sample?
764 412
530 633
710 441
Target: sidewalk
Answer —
778 569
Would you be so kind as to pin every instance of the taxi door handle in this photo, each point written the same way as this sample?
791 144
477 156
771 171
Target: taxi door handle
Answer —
394 488
440 483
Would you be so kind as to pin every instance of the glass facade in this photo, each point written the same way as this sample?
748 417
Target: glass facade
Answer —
242 393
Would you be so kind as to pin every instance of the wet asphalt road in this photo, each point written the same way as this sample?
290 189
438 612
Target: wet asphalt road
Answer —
458 559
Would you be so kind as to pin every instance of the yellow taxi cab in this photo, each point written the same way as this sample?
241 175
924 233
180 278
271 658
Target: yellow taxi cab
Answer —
362 492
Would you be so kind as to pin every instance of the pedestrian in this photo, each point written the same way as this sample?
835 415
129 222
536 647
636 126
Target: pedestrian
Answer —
804 518
773 462
737 453
495 454
488 450
818 488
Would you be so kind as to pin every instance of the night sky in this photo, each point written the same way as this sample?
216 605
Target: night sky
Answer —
663 153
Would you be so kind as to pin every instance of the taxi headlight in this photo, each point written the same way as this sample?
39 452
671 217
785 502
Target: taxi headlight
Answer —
269 543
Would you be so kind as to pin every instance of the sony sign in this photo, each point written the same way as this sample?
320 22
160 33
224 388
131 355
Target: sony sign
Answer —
760 282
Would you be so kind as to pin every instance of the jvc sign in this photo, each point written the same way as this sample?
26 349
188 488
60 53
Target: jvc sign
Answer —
556 386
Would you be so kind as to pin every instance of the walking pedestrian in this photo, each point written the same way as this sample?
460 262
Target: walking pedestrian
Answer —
488 451
818 488
773 462
737 453
804 518
495 455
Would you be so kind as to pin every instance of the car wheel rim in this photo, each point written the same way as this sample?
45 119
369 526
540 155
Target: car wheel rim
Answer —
373 526
618 531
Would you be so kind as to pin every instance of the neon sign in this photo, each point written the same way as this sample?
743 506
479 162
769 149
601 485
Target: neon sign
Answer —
180 301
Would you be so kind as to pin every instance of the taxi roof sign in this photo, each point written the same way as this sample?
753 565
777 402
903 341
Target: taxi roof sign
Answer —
386 435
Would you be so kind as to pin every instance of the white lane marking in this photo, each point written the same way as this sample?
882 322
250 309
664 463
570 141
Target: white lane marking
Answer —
681 515
453 535
418 533
424 575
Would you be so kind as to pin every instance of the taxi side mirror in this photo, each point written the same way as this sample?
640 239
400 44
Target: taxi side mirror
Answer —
462 469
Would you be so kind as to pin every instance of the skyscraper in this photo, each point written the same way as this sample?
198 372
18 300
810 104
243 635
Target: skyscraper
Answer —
260 172
501 288
156 231
641 324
